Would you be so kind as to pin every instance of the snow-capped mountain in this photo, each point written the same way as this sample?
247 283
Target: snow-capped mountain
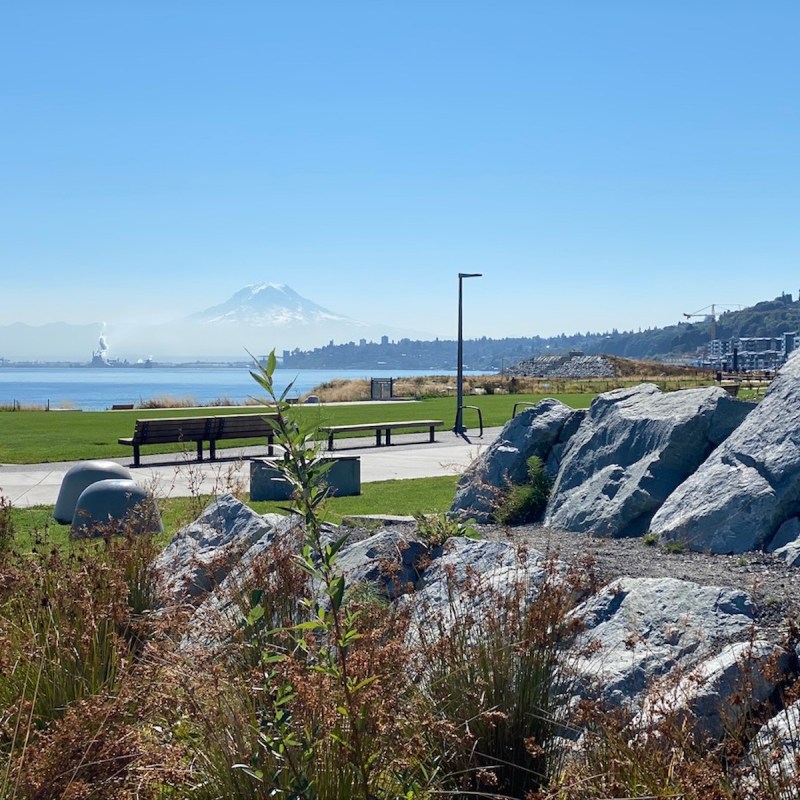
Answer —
256 319
269 304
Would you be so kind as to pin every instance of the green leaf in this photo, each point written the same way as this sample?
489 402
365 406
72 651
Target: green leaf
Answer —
272 362
337 592
338 544
255 615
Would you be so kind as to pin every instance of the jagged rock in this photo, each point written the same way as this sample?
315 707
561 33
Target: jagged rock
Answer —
468 581
739 498
639 629
201 555
715 697
631 451
536 431
786 542
773 753
389 560
223 608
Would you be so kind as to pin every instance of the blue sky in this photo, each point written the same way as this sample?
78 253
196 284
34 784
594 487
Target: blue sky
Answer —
603 164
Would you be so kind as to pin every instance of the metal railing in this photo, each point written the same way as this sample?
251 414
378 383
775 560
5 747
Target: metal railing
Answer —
480 416
521 403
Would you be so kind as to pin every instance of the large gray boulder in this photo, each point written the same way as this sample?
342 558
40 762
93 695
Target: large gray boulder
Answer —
538 431
773 754
633 448
468 584
636 630
201 555
741 496
223 609
717 696
389 561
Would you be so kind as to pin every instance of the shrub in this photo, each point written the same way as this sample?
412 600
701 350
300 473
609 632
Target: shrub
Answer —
436 529
6 525
495 682
526 502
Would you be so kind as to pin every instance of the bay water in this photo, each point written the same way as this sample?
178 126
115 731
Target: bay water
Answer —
96 389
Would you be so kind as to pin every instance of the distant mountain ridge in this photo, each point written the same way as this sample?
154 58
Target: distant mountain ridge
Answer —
765 319
263 316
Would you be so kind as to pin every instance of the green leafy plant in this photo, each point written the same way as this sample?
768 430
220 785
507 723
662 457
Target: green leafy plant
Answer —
336 749
526 502
435 529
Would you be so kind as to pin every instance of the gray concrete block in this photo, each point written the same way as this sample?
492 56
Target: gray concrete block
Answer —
267 481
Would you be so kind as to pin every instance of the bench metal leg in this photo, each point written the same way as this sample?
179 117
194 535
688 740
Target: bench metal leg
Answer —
136 455
200 451
330 441
377 437
388 436
212 449
432 439
270 444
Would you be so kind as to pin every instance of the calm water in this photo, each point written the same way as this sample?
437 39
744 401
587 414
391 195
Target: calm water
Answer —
95 389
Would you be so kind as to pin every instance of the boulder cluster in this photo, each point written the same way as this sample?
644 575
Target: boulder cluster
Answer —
695 467
653 647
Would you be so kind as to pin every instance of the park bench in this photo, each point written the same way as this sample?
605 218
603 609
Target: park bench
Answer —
171 430
383 430
163 430
242 426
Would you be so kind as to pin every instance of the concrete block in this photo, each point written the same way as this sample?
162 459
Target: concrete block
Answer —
267 481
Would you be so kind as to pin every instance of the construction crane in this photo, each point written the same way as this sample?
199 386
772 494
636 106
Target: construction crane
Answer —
703 312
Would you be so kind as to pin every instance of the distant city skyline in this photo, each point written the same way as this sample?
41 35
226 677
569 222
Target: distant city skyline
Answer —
604 165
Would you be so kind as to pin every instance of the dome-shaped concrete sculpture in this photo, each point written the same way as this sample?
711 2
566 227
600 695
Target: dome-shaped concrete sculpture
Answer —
114 505
77 478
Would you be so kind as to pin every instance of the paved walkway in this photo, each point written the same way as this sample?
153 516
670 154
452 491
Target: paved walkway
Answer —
182 475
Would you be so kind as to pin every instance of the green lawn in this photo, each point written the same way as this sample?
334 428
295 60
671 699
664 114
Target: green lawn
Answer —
33 437
35 527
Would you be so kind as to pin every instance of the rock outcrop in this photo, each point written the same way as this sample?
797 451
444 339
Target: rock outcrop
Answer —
539 431
660 649
201 555
716 696
469 580
750 486
390 561
632 449
637 630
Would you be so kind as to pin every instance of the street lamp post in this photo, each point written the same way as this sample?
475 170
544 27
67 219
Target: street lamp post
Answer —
459 428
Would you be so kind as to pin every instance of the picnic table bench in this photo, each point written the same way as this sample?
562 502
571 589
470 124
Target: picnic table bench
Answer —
382 429
172 430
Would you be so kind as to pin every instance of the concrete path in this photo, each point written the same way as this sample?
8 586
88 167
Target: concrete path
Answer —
182 475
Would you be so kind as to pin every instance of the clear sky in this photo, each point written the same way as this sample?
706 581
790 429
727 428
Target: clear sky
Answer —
603 163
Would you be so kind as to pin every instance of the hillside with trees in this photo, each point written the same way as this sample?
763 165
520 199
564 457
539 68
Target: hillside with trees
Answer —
767 318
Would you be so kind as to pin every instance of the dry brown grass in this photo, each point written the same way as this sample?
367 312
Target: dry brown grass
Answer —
341 391
420 387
